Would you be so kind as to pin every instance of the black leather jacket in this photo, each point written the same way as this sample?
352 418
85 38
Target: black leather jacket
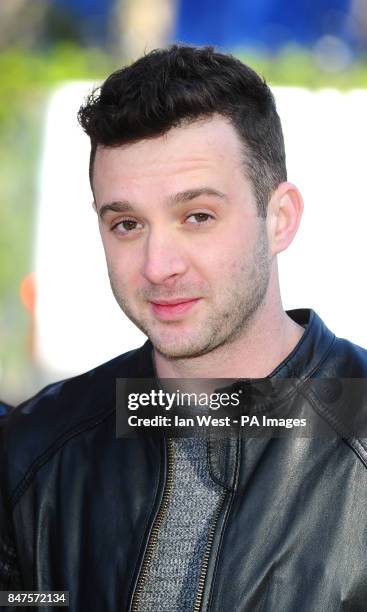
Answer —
79 505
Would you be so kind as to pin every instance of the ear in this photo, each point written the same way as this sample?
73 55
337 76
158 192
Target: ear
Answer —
285 210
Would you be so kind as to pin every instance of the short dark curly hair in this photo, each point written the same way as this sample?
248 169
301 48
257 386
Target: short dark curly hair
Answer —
179 84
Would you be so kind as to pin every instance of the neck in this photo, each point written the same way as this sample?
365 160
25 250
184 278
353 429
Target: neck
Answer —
263 345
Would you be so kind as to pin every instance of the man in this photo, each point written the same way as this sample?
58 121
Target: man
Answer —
188 174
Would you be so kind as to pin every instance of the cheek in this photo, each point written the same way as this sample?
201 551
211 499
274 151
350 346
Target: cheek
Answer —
232 254
120 272
123 264
237 236
219 268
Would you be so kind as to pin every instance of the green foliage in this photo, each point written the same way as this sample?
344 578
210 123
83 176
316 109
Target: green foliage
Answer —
26 82
25 76
296 67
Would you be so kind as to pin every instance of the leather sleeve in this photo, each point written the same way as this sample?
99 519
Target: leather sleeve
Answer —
9 572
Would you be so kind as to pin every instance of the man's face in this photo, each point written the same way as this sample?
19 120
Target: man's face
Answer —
187 254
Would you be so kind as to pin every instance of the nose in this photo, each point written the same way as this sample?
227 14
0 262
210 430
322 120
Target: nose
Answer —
164 260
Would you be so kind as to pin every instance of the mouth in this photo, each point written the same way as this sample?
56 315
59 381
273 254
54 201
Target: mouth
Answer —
170 309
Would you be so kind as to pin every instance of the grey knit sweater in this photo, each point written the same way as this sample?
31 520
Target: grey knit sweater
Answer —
174 571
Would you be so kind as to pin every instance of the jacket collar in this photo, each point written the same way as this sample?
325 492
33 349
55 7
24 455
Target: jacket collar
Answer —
311 349
299 365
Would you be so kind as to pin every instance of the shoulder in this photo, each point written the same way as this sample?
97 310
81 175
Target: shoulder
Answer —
346 360
339 391
82 397
41 425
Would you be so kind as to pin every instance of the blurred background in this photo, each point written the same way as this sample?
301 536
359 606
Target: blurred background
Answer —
53 51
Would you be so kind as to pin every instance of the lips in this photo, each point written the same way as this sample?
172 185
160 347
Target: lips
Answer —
168 310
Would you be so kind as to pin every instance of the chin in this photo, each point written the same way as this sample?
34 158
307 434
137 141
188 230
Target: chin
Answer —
176 349
174 342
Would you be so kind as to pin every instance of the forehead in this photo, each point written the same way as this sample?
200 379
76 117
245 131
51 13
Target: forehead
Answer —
209 149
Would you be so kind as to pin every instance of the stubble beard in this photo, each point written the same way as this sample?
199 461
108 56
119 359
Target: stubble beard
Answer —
242 297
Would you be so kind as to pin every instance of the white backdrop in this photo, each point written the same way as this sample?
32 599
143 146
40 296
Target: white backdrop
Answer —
78 323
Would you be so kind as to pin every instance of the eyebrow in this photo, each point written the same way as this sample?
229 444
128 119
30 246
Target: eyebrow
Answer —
191 194
119 207
125 206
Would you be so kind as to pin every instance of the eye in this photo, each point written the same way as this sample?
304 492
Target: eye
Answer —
199 218
126 226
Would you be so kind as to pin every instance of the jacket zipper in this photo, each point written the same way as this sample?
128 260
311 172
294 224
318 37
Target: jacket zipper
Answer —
205 561
153 539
